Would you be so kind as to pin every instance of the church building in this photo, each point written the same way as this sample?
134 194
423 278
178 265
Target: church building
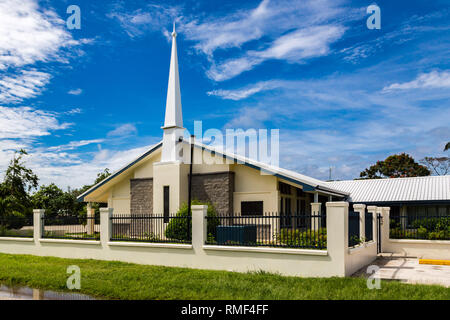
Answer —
157 181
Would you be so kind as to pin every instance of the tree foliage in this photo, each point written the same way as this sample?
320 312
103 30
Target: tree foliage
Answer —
395 166
439 165
56 201
180 229
19 181
14 190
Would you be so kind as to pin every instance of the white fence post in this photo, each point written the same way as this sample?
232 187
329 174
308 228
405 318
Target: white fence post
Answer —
361 208
385 227
337 235
315 211
90 213
373 210
38 226
105 225
199 227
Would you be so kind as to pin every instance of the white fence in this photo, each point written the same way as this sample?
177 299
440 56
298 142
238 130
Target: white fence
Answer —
337 260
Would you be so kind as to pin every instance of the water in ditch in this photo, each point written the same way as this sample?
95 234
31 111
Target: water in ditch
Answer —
26 293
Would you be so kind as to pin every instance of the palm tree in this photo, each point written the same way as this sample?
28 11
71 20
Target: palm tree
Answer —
447 146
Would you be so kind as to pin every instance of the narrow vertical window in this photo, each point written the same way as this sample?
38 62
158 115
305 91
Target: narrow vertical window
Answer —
166 204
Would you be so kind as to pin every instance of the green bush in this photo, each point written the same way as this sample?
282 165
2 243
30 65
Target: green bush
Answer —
15 220
432 224
298 238
180 229
423 228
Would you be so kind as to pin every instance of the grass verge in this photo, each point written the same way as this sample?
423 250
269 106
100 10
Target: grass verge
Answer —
119 280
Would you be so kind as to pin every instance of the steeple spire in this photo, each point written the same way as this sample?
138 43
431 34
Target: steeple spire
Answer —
174 116
173 122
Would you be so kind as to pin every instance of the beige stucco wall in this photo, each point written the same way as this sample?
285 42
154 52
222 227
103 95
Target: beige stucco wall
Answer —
251 185
145 170
174 175
424 249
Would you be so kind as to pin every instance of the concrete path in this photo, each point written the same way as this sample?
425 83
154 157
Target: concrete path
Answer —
408 270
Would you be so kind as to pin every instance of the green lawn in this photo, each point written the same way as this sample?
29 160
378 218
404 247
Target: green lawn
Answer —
120 280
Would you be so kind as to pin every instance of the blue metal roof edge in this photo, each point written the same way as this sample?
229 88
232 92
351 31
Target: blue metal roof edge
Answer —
306 187
81 197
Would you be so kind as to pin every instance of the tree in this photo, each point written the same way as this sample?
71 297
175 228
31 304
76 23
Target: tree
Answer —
439 165
18 181
96 206
55 201
102 175
395 166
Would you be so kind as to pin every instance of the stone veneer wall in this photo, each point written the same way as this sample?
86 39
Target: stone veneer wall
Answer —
141 196
217 188
141 202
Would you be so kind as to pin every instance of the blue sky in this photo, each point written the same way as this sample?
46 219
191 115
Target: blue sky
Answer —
343 96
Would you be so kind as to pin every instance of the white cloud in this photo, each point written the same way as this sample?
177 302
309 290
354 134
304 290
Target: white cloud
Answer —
75 92
26 122
74 111
123 130
270 18
292 30
29 34
77 169
243 93
231 68
150 18
433 79
249 117
303 43
26 84
296 46
75 144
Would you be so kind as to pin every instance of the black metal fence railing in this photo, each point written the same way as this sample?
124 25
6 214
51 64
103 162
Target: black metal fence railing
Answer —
151 228
269 230
368 219
16 226
419 227
71 227
353 229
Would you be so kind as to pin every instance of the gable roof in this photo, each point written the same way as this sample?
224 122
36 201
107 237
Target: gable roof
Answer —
430 188
308 183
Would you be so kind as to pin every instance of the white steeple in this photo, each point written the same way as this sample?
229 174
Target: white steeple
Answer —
173 122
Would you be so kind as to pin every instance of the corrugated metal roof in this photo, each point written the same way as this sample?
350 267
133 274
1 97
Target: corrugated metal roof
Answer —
432 188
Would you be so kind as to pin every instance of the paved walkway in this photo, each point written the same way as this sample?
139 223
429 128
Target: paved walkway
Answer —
408 270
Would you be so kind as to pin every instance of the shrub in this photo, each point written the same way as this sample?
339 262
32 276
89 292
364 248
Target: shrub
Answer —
15 220
432 224
423 228
180 229
299 238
